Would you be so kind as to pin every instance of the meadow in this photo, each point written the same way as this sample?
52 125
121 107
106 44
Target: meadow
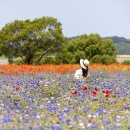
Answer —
47 97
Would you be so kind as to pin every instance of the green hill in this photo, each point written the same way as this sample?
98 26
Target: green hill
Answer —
122 44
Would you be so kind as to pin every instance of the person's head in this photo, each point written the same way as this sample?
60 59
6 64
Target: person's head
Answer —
84 63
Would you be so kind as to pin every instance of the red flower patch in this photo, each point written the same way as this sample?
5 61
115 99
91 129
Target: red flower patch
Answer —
106 92
85 89
103 91
110 92
74 92
106 95
94 93
17 88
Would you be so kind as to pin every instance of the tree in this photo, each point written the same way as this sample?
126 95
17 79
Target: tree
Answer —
8 43
92 47
31 40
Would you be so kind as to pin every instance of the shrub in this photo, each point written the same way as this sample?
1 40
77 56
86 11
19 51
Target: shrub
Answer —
126 62
50 60
107 59
96 59
18 62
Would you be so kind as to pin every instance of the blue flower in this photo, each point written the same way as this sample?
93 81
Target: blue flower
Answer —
27 119
94 125
6 118
128 127
52 108
76 118
127 107
68 121
56 128
67 110
86 109
61 118
99 111
18 107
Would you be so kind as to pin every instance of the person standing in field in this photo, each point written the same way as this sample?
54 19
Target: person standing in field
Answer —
83 72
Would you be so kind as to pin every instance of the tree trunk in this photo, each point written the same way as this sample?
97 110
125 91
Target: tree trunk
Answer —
10 60
40 58
28 60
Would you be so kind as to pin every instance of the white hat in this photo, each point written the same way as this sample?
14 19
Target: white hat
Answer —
84 63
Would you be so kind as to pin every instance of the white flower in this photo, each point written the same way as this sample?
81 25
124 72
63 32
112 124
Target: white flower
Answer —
82 125
89 124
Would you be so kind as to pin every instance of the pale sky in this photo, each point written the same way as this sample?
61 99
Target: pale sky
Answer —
105 17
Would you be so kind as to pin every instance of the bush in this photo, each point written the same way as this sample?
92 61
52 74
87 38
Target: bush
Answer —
96 59
126 62
50 60
107 59
18 62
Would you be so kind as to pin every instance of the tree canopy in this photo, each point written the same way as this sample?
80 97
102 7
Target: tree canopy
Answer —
41 39
31 40
92 47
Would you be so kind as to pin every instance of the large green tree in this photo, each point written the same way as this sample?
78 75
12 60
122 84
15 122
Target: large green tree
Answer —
31 40
92 47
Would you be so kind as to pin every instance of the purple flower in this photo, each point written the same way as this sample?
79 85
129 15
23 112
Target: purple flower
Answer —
94 125
7 118
86 109
99 111
56 128
52 108
61 118
76 118
127 107
128 127
67 110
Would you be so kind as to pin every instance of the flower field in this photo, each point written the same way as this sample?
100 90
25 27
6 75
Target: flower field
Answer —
47 97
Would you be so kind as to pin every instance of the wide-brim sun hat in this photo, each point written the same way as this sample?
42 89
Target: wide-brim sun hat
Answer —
84 63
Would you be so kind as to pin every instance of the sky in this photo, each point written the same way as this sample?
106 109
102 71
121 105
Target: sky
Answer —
105 17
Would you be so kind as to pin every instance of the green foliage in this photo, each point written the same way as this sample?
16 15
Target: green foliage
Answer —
92 47
126 62
50 60
96 59
51 91
107 59
25 38
0 53
122 44
18 62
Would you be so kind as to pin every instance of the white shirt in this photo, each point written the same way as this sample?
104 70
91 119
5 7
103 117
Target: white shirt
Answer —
79 74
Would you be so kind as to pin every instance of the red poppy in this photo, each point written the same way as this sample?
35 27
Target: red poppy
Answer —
85 89
96 89
106 95
94 93
17 88
110 92
107 92
103 91
74 92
